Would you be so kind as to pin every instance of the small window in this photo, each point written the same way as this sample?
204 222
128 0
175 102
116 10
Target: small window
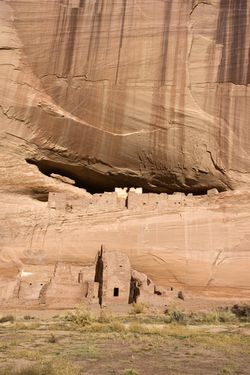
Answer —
116 292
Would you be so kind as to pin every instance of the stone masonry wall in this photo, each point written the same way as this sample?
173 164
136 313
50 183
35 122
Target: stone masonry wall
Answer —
114 201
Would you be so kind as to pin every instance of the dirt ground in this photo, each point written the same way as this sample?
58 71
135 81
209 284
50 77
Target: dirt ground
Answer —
111 348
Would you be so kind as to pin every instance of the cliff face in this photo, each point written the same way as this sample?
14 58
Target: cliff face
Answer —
199 244
150 93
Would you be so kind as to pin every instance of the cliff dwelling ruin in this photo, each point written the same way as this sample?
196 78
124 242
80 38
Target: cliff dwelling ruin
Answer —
132 199
110 280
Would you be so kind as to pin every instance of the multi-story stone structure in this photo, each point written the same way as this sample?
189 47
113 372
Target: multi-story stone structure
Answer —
111 280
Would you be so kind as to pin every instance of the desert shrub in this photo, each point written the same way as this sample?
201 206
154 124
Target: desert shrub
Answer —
212 317
130 372
241 311
138 308
81 316
117 326
175 316
105 317
28 317
226 317
7 318
138 328
60 367
52 339
98 327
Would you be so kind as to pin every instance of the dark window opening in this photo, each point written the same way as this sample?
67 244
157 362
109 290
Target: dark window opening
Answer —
157 292
116 292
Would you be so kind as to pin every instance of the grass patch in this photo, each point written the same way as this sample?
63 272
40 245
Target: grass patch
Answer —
81 317
54 368
30 355
138 308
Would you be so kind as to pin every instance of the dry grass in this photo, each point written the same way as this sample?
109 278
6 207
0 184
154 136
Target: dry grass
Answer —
88 339
54 368
130 372
138 308
107 344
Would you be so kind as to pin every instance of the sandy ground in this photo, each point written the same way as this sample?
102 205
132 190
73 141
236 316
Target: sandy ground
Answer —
162 349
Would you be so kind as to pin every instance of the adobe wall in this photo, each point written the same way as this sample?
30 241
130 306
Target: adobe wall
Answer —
116 278
149 293
95 203
65 285
7 290
121 200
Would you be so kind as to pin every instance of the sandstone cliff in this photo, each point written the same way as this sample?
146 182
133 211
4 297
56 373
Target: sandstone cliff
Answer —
151 93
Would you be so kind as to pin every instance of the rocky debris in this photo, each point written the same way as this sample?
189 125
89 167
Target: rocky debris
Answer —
213 191
64 179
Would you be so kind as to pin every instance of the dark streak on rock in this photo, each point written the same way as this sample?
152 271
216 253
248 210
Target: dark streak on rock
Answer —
165 40
82 4
158 100
231 33
95 34
124 5
72 28
248 68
